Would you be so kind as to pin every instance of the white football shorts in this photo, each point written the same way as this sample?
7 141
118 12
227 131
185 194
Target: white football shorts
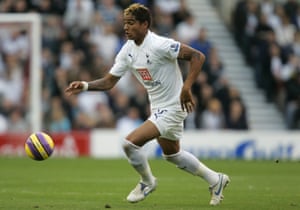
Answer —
169 122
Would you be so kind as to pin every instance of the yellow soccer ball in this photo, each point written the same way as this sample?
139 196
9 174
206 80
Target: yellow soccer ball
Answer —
39 146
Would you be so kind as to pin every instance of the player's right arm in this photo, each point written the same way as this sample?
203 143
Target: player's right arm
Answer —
105 83
108 81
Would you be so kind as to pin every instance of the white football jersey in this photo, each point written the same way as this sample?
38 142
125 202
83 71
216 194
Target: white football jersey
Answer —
154 63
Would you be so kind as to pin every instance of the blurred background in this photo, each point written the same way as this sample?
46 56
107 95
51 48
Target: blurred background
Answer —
249 87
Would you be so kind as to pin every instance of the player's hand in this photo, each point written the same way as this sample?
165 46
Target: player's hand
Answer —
186 100
74 88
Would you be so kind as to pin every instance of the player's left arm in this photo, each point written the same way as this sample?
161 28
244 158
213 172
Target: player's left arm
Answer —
196 59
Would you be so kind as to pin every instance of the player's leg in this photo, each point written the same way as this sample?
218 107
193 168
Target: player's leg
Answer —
189 163
132 148
186 161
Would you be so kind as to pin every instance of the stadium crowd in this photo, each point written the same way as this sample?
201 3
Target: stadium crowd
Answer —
268 32
79 41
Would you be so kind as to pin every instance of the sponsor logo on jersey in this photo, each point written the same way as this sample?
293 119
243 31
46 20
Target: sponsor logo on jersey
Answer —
144 73
147 78
152 83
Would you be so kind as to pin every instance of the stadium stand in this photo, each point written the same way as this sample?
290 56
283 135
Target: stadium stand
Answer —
79 41
261 115
267 33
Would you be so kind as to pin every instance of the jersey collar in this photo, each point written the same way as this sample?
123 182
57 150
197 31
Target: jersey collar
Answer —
146 39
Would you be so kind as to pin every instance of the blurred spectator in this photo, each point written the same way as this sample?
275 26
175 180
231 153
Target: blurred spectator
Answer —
239 19
167 6
11 80
213 118
20 6
203 44
292 108
260 49
129 122
15 42
3 124
58 120
267 8
5 6
274 19
80 120
296 19
88 102
215 68
199 85
187 30
107 44
52 29
109 11
250 26
120 102
192 120
66 55
164 24
285 33
48 66
206 93
1 65
16 121
276 65
290 8
97 26
105 116
181 13
227 93
78 14
263 72
282 72
237 118
202 92
44 7
140 100
93 107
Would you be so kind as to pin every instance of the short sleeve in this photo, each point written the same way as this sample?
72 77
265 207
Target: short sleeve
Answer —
170 48
120 65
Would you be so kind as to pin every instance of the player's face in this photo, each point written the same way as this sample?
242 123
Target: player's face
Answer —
134 29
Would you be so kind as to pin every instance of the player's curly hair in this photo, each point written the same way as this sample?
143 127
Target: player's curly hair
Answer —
140 12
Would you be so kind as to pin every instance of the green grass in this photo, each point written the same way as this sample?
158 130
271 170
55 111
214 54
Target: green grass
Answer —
90 184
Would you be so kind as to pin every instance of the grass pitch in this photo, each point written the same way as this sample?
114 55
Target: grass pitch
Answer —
94 184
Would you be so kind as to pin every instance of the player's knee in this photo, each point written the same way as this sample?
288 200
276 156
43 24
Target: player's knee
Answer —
166 157
132 152
169 147
126 146
173 158
129 147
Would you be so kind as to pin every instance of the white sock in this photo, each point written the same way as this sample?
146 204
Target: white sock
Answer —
139 161
189 163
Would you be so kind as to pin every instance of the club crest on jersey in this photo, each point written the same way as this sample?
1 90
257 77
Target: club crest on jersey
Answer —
148 59
144 73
